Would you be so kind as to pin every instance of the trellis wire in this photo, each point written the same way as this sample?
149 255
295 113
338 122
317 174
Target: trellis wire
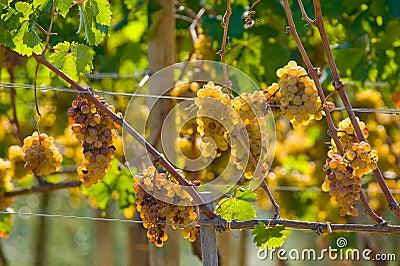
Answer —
71 217
47 88
294 225
62 216
117 75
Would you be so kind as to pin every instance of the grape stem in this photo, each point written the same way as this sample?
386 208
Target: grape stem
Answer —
312 71
221 53
119 120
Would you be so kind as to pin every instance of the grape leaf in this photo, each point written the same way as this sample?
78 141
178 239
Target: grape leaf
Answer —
273 237
63 6
84 57
17 27
6 222
246 195
41 4
238 207
95 19
72 58
117 182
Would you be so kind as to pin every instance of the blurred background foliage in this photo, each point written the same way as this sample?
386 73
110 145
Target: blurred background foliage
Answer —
365 40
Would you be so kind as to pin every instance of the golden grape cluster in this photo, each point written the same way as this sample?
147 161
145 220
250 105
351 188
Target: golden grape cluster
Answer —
251 109
233 123
17 159
214 119
296 94
95 129
42 157
344 173
5 183
156 213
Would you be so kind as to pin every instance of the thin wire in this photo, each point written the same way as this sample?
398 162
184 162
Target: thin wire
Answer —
47 88
47 215
318 189
71 217
276 188
117 75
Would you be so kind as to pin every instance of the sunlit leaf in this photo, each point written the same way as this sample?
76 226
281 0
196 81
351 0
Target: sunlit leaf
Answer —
95 19
272 237
63 6
72 58
238 207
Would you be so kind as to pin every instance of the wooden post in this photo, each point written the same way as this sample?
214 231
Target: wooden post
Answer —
208 236
161 53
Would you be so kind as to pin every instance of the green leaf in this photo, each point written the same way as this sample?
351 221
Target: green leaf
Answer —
238 207
31 39
72 58
246 195
84 57
95 19
273 237
6 222
17 28
118 182
41 4
24 8
63 6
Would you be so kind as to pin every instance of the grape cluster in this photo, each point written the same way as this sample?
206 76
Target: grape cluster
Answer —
344 187
296 94
344 173
251 108
42 157
5 183
17 159
347 134
214 119
236 123
95 129
156 213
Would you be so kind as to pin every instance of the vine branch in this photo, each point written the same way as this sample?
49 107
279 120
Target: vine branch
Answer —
221 52
304 15
318 227
313 73
156 155
338 84
43 187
